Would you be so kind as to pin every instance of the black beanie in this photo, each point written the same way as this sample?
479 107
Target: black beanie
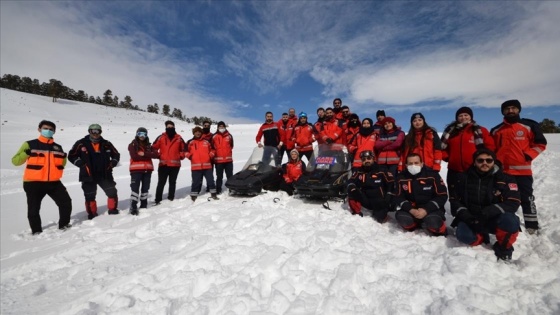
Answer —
142 129
169 122
417 115
509 103
464 110
380 113
221 123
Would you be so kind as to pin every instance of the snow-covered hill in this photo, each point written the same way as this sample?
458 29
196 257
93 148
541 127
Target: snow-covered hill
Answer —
246 255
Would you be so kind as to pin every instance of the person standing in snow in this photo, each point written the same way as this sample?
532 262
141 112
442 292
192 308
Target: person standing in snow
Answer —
518 142
303 136
96 158
318 125
420 196
388 146
291 171
141 168
200 153
170 146
45 166
370 187
485 202
272 140
222 141
459 141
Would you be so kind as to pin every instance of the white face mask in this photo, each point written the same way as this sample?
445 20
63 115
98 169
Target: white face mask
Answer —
222 130
414 169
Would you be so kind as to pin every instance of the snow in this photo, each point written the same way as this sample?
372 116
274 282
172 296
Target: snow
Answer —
243 255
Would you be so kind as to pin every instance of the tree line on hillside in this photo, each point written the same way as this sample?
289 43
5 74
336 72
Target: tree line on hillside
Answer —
56 89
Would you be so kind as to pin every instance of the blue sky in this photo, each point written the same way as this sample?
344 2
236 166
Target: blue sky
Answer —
234 60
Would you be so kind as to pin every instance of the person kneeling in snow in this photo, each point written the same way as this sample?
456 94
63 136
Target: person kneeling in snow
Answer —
371 188
291 172
420 197
486 202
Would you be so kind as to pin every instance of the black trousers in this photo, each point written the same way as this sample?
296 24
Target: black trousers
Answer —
108 186
220 169
525 184
36 191
165 172
453 178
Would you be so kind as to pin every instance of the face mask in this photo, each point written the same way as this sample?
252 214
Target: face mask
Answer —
47 133
222 130
206 130
414 169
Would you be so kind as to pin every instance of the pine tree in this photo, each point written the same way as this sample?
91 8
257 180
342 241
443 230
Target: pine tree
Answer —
108 98
165 110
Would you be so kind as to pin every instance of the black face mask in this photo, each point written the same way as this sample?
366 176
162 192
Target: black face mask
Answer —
366 131
353 123
170 132
512 119
206 130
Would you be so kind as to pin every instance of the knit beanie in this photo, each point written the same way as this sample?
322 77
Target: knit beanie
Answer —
464 110
370 121
169 122
416 115
388 119
380 113
222 124
509 103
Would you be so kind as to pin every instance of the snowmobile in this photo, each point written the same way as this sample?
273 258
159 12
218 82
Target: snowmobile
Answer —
260 172
327 173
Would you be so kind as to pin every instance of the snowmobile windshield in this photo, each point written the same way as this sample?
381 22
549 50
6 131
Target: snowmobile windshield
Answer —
330 157
262 159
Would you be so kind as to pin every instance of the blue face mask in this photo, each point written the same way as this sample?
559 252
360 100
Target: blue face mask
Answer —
47 133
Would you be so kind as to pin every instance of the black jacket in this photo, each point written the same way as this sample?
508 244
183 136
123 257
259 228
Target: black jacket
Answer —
375 185
94 165
423 190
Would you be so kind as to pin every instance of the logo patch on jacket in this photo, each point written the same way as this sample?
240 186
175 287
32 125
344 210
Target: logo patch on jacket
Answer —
427 188
405 187
512 186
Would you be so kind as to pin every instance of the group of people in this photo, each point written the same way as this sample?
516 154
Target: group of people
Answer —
489 172
96 157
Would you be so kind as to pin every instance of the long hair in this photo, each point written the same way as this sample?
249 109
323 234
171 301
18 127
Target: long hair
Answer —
410 138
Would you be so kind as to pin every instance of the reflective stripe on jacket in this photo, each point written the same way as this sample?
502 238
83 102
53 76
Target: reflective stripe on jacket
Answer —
169 150
45 163
223 144
200 152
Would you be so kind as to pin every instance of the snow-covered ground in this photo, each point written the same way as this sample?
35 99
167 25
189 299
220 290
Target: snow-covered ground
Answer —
246 255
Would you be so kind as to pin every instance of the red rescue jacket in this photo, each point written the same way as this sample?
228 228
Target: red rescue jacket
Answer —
223 144
303 137
461 147
388 146
293 170
430 151
170 150
139 163
201 153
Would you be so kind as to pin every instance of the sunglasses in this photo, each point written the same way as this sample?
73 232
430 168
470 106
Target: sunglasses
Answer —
95 131
488 160
369 157
142 134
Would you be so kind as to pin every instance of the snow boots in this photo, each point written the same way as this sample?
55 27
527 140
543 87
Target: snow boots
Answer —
91 209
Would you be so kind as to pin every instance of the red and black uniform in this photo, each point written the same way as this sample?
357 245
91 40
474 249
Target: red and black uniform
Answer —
371 188
45 165
428 146
317 128
272 141
424 190
291 172
141 168
170 147
518 143
223 160
286 129
303 139
486 203
200 152
96 160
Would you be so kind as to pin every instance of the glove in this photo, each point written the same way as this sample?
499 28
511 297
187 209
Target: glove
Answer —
28 151
114 163
502 252
465 216
491 212
329 141
79 163
353 192
528 158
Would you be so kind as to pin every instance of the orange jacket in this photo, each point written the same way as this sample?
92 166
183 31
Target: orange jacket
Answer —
45 163
201 153
293 170
359 144
518 144
430 151
460 148
388 146
332 130
303 137
286 130
350 133
170 150
141 163
223 144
